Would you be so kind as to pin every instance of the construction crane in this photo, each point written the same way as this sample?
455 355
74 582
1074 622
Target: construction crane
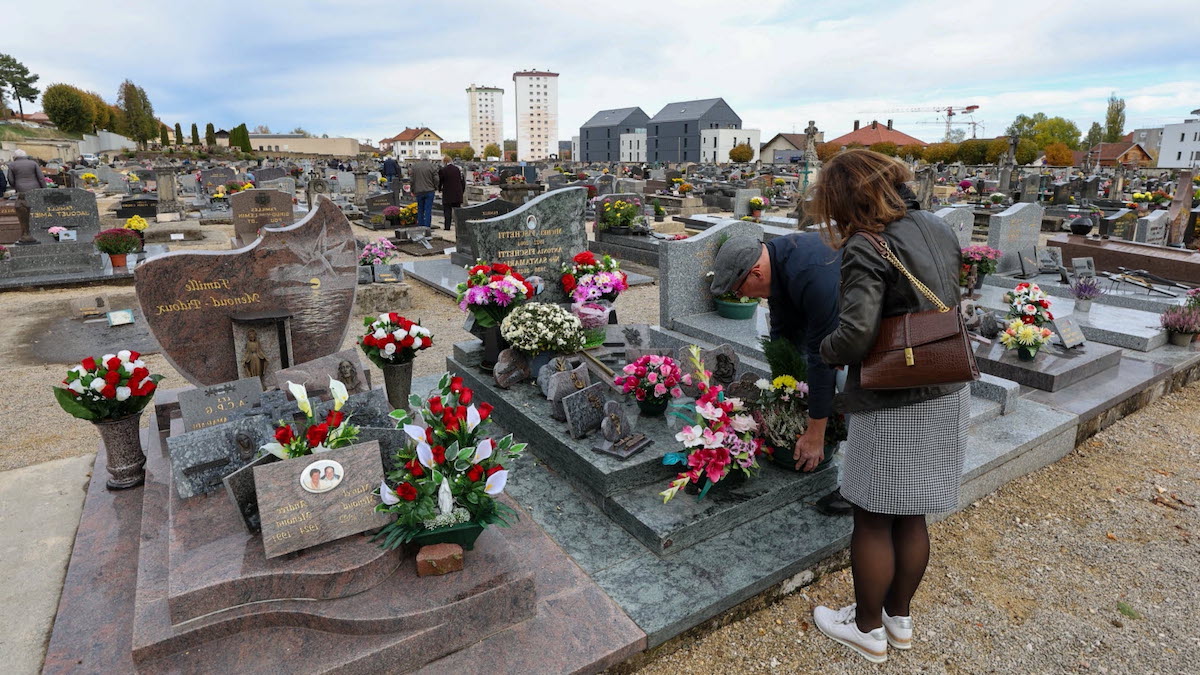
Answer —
948 111
975 125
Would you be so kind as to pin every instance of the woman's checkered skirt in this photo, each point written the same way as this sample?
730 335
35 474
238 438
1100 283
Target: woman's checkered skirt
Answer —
908 460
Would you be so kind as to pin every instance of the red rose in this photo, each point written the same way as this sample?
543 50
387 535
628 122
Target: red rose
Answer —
451 423
89 363
335 418
428 434
284 435
496 277
317 434
528 289
1049 316
585 258
461 412
1044 304
414 467
568 282
407 341
113 377
113 363
501 268
393 317
133 356
475 473
516 275
1027 319
494 469
139 374
406 491
485 409
109 391
439 454
369 340
465 397
479 269
456 384
435 405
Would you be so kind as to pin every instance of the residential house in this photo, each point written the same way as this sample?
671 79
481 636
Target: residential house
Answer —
1180 147
1126 153
673 135
600 136
419 143
787 148
873 133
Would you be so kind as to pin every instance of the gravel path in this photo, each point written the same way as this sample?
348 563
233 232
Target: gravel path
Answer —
1089 565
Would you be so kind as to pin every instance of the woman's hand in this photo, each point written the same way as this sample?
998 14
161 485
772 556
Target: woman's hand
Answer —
809 450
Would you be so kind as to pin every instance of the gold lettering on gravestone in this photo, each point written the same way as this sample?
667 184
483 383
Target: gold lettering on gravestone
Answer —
529 249
59 212
197 286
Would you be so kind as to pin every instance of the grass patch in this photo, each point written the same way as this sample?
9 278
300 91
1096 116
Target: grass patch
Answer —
18 132
1128 611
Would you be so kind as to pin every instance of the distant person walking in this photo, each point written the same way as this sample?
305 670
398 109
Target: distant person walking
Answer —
424 184
454 185
391 169
26 175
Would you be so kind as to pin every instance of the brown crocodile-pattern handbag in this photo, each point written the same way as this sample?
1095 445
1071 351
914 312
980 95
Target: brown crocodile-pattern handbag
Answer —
918 349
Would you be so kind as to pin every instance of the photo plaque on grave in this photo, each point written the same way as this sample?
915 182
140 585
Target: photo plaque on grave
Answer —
1083 267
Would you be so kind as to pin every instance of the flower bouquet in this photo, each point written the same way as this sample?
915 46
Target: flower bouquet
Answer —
56 231
983 258
719 438
380 252
491 291
593 316
756 205
334 432
1085 290
118 242
685 188
1193 296
136 223
5 254
516 180
587 279
653 380
111 392
619 214
538 329
392 214
1028 304
89 178
1026 338
449 472
392 342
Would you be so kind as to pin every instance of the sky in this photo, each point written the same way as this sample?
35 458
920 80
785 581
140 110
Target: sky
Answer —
369 69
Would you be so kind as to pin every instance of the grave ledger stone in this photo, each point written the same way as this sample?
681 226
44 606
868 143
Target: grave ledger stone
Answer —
71 208
258 208
210 406
298 281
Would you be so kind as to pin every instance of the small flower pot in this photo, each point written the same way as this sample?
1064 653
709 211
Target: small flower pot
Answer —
731 481
123 445
117 259
1181 339
397 382
756 214
493 344
659 219
1083 305
653 407
736 310
594 337
463 534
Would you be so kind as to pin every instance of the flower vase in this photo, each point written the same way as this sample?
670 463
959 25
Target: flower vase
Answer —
1180 339
653 407
123 445
1083 305
756 214
463 534
493 344
736 310
397 382
141 240
979 281
731 481
117 259
1026 354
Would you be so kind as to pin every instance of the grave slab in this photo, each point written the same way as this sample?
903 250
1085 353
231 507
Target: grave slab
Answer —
1053 369
444 277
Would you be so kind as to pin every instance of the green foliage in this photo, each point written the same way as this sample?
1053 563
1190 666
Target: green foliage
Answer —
784 359
195 134
140 123
914 151
239 137
102 111
1056 130
162 136
973 151
1114 119
941 152
466 154
68 108
178 134
1027 151
492 150
741 153
16 81
886 148
1095 136
1128 611
210 135
996 149
1023 125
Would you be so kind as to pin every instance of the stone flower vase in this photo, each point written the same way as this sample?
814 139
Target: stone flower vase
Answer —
123 443
493 344
1180 339
397 382
1083 305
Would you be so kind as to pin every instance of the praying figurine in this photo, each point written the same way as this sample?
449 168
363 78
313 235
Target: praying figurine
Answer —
254 360
615 424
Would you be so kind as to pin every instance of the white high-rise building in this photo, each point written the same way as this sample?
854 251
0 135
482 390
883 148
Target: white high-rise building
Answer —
485 110
537 114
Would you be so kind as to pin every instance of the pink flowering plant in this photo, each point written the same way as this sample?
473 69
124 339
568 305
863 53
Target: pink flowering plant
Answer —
719 439
983 258
651 378
378 253
491 292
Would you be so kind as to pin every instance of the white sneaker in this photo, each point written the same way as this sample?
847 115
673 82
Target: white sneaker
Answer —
839 626
899 630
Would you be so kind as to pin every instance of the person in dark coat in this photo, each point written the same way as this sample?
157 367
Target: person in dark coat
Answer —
391 169
454 185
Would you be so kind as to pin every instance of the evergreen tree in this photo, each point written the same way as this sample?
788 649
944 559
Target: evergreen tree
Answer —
1114 119
16 81
162 136
178 134
210 135
1095 136
239 137
195 134
139 114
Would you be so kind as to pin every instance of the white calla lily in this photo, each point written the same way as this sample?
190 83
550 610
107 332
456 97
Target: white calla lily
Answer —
340 395
387 495
301 395
473 418
496 483
483 451
415 432
275 449
425 455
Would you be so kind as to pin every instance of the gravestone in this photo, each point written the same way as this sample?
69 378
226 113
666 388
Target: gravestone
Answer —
1091 188
286 185
267 174
10 223
1049 258
200 459
1083 267
1179 210
211 178
1068 333
556 181
377 203
1153 228
298 511
145 206
465 247
164 181
71 208
1029 188
1119 224
606 185
205 407
1062 193
315 189
741 201
584 409
252 210
1014 230
682 265
535 239
343 366
961 222
239 485
302 278
189 183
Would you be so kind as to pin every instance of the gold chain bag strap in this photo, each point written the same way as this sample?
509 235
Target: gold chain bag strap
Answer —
918 349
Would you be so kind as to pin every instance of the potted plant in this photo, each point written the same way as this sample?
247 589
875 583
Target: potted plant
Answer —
659 212
618 216
117 242
996 198
392 342
138 225
392 215
111 392
408 215
542 331
1026 338
449 472
489 294
731 305
1140 202
300 440
719 439
5 254
781 410
1182 324
653 381
983 258
1085 290
756 207
685 188
381 252
586 278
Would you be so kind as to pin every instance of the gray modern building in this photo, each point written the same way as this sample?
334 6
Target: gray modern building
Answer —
673 135
600 136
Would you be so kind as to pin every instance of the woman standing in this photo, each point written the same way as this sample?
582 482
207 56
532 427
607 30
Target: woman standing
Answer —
904 455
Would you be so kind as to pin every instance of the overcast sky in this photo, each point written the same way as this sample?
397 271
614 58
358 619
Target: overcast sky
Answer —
369 69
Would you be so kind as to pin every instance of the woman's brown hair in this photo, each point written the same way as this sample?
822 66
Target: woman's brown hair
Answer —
857 190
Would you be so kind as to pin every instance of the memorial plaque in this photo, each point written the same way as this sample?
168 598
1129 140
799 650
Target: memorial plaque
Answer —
536 238
71 208
377 203
343 366
268 173
254 209
201 459
217 404
1068 333
145 206
1029 265
239 485
562 384
10 224
1083 267
310 500
90 306
211 178
585 409
1050 258
465 255
307 272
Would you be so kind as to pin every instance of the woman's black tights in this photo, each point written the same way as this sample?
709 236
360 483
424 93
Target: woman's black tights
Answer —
888 555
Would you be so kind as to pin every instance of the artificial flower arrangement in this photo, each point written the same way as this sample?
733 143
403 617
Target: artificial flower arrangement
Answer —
449 471
619 213
132 178
136 223
720 437
408 215
491 291
516 180
593 317
982 258
5 254
677 180
538 327
653 380
756 204
685 188
391 339
334 432
89 178
1157 197
1193 296
1028 304
1086 288
378 253
112 387
117 241
1027 338
781 410
1181 320
56 231
587 279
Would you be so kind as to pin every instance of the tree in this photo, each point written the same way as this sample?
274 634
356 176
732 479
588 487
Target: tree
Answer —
262 129
210 135
452 153
117 122
1027 151
941 152
1058 154
886 148
914 151
139 114
826 151
741 153
178 134
1095 136
102 111
69 108
466 154
239 137
1114 119
1056 130
162 136
996 149
973 151
195 134
302 132
954 136
510 145
492 150
16 81
1023 125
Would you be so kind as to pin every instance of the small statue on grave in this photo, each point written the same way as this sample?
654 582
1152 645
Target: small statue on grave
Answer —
254 360
725 370
615 424
445 498
246 446
348 375
990 326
